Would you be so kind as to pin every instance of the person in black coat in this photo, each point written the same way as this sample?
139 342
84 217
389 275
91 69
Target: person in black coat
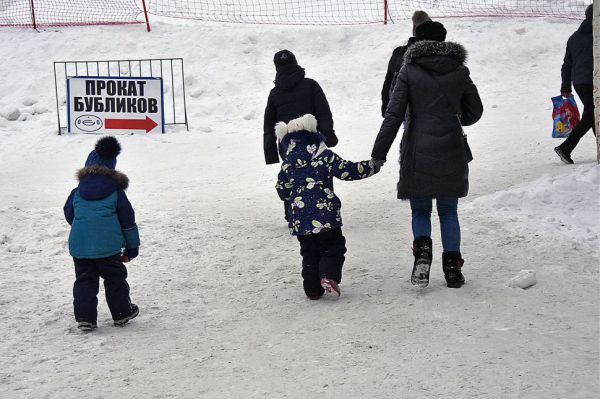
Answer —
436 97
397 60
578 67
294 95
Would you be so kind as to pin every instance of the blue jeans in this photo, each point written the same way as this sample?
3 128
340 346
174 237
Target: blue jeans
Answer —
447 212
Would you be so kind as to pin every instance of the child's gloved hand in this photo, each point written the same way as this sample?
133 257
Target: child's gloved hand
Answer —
377 164
129 254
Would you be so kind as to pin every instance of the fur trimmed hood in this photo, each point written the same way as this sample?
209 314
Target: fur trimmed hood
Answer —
300 139
120 178
430 48
306 122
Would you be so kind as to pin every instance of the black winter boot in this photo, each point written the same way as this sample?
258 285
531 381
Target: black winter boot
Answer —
452 263
563 155
423 255
134 312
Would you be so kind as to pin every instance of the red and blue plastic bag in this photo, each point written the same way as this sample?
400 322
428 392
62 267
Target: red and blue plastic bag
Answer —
565 115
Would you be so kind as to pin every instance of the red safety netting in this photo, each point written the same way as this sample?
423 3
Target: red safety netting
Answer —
305 12
348 12
29 13
572 9
39 13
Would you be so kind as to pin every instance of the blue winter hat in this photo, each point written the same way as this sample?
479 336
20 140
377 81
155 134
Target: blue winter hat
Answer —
105 153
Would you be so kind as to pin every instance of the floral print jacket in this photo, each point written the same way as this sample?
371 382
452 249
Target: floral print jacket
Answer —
306 180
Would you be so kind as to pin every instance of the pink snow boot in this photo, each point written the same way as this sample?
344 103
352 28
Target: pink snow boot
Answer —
330 286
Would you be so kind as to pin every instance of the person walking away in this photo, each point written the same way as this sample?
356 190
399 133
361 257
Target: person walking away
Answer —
103 236
305 183
397 60
578 68
294 95
435 88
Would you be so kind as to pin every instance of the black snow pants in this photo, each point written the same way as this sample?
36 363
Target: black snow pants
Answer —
85 289
322 256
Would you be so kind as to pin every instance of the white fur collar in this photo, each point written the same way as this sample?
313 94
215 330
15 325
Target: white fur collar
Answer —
306 122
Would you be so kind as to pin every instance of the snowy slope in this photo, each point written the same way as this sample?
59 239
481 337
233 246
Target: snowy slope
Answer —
563 207
218 281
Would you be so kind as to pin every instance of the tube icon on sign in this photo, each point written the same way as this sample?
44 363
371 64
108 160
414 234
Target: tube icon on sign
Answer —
88 123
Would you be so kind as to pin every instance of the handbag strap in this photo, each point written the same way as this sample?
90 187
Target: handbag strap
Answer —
456 111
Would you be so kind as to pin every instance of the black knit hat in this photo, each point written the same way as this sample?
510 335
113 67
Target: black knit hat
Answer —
284 57
589 12
431 30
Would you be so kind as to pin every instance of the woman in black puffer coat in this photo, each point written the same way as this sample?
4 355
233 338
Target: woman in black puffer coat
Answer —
435 96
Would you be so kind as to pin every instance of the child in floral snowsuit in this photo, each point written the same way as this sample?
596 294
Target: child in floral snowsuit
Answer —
306 181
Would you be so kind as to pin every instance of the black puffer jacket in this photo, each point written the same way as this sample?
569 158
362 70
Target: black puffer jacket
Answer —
292 97
394 65
578 65
435 87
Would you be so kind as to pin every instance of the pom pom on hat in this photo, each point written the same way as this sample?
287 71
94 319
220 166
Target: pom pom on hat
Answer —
108 147
105 153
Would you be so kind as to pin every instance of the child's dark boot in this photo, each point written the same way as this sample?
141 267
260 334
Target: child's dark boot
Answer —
134 312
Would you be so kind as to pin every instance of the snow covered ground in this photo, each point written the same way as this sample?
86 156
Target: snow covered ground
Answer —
563 207
218 280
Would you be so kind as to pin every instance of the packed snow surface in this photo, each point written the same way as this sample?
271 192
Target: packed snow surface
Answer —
565 206
218 280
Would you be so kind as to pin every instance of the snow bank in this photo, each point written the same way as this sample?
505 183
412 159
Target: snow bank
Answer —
566 205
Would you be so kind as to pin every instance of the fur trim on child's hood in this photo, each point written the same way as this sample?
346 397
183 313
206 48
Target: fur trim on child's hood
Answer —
306 122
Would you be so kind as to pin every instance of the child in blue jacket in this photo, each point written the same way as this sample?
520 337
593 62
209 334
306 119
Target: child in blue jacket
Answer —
306 182
103 236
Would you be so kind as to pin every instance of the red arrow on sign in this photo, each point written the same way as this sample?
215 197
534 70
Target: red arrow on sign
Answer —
135 124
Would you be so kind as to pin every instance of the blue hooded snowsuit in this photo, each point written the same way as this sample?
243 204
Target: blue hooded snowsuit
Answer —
102 225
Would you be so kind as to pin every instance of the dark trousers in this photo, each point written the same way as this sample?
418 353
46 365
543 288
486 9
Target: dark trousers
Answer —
586 94
85 289
322 256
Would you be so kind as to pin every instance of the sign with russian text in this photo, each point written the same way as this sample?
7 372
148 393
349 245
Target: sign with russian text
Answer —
114 105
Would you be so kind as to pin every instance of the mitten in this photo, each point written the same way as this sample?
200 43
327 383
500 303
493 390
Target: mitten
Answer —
130 253
377 164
